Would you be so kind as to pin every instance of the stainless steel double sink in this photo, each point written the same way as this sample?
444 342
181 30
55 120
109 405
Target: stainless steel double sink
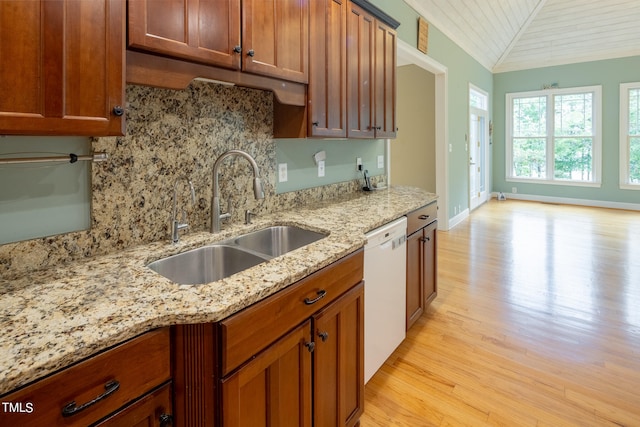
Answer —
217 261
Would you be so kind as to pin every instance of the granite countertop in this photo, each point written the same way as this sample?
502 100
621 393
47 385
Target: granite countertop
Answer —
55 317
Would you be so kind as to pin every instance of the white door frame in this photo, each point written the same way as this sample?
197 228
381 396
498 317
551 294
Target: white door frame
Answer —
479 112
410 55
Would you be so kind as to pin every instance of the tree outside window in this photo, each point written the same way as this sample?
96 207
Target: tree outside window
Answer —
553 135
634 136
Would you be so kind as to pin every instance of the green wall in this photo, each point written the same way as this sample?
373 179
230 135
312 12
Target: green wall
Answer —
340 164
609 74
462 69
43 199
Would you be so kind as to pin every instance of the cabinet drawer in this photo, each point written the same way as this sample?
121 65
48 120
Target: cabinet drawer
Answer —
249 331
120 374
421 217
154 409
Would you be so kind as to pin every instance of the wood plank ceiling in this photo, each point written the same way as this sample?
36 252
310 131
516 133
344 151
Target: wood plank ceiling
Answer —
508 35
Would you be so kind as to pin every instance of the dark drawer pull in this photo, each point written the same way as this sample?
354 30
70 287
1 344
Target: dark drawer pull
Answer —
71 408
321 294
423 217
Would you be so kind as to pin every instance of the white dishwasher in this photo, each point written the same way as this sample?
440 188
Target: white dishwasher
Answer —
385 264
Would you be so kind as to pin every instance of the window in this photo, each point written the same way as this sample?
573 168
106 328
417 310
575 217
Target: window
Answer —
630 136
554 136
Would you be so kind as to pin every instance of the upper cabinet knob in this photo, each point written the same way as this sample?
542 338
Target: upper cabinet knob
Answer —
118 110
251 53
237 49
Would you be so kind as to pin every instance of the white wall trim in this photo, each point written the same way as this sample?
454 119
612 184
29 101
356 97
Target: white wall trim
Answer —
458 218
571 201
407 54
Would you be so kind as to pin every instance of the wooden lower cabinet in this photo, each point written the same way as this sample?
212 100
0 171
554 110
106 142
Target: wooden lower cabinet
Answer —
126 385
422 285
415 288
273 389
338 395
153 410
308 372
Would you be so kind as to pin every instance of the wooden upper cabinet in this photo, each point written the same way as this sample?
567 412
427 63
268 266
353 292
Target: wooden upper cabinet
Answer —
264 37
371 80
275 38
385 81
197 30
360 72
62 67
327 69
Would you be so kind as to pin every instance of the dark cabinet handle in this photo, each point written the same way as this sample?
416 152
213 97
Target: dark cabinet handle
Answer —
426 239
237 49
323 336
166 420
118 110
72 409
378 128
423 217
321 293
310 346
315 123
251 53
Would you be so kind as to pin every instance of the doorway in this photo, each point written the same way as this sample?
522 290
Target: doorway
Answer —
478 147
410 55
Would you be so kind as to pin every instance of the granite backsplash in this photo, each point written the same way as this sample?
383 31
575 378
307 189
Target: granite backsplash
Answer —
171 134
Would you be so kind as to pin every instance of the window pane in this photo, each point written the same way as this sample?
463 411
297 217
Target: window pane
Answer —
529 157
634 112
574 114
477 99
530 116
573 158
634 160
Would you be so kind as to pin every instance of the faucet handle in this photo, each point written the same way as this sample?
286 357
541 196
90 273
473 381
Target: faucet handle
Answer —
247 216
227 215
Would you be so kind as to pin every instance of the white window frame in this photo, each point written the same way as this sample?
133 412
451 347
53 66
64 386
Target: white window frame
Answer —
625 137
597 136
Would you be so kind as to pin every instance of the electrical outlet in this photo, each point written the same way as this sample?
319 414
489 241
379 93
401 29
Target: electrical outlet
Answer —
450 148
514 190
282 172
358 164
321 168
381 162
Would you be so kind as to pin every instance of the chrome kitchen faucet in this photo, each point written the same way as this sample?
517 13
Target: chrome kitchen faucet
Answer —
215 201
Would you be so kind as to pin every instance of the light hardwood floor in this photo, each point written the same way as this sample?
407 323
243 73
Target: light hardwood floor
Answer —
536 323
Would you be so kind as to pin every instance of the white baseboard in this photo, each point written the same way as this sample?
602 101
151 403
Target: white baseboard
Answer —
570 201
458 218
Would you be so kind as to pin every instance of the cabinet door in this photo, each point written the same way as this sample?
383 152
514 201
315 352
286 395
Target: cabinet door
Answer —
360 73
274 388
153 410
196 30
327 69
385 81
63 67
275 38
429 259
415 285
339 361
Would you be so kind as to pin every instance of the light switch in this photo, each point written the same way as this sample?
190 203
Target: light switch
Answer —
282 172
321 168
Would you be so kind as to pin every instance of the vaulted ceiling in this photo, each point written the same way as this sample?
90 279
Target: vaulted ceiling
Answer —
508 35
